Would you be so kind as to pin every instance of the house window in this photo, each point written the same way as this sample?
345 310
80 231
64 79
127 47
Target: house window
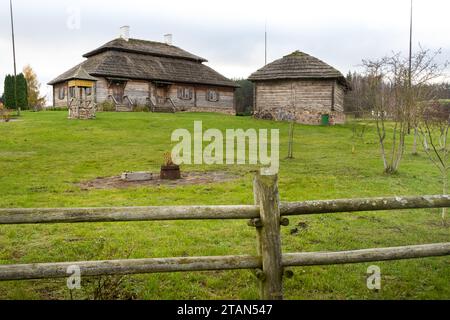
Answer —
62 93
185 93
212 95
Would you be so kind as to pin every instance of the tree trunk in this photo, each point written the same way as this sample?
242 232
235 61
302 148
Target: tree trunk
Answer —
416 133
444 191
425 143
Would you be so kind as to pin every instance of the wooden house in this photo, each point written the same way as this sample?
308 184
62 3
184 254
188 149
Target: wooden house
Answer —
301 88
131 72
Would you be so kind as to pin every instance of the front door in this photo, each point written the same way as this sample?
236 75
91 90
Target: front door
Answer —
118 89
161 94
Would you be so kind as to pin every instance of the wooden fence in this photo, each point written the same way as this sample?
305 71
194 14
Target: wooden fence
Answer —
266 216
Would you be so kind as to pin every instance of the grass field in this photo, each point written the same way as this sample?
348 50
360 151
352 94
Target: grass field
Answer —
44 155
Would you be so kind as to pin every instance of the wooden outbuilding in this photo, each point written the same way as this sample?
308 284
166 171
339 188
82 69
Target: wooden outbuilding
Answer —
132 72
301 88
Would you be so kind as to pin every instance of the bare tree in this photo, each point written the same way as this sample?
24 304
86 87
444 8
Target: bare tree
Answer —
396 96
433 128
425 70
383 96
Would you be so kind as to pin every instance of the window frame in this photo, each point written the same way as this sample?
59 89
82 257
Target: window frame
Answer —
62 93
185 93
211 98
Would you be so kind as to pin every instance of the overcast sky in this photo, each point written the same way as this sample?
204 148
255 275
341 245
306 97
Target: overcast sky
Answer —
230 34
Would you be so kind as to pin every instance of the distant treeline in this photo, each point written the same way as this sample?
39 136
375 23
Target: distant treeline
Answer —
357 100
244 97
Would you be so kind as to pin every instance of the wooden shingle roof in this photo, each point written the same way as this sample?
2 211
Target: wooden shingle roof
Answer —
146 67
79 73
152 61
145 47
298 65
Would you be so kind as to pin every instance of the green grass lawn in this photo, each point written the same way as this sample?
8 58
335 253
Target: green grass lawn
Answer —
44 155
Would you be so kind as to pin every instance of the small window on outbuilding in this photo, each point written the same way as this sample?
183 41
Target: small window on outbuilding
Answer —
212 95
62 93
88 91
185 93
71 92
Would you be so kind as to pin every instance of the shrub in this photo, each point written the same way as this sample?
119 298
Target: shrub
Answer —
106 106
140 108
57 109
5 114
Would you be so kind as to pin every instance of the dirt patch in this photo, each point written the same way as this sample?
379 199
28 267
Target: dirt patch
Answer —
187 178
10 120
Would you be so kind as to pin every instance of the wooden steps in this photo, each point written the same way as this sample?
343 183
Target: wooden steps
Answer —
165 108
123 108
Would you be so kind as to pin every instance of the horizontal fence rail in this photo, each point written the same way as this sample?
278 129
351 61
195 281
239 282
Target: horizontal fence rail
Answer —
266 216
130 266
364 204
366 255
189 264
123 214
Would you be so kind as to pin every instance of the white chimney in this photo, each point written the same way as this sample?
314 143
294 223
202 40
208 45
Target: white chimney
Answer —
168 39
125 33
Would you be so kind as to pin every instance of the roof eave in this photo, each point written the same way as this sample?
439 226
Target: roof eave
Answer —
231 84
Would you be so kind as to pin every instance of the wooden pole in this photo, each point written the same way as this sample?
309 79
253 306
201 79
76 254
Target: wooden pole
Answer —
366 255
14 57
291 141
115 214
410 67
410 46
364 204
266 194
80 215
131 266
189 264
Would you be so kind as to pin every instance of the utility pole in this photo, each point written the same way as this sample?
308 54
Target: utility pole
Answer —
14 58
410 45
410 71
410 81
265 43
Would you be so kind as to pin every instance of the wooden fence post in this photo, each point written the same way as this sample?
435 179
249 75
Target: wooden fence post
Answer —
268 233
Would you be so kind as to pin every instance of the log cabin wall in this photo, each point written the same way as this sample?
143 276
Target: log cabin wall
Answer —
199 101
137 91
304 101
140 90
57 95
102 90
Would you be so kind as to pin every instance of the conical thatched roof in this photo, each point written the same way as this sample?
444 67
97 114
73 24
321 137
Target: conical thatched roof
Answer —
298 65
80 74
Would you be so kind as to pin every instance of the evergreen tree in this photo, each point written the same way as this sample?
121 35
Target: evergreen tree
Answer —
22 92
8 92
244 97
